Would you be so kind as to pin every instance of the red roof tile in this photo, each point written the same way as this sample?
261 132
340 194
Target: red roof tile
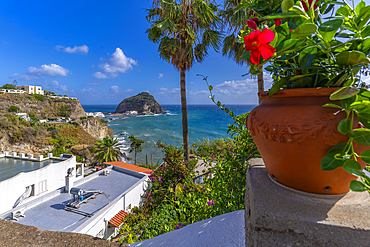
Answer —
117 219
130 167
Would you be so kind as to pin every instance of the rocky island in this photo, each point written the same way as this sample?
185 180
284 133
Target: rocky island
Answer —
143 104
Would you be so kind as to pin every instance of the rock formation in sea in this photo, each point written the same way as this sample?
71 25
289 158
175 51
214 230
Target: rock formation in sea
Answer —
143 104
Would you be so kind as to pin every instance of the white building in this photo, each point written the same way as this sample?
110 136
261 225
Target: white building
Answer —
107 196
95 114
31 89
23 115
12 91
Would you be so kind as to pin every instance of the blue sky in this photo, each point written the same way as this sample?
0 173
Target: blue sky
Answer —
98 51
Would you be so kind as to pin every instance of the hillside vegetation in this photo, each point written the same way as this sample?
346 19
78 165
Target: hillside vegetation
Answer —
41 106
19 135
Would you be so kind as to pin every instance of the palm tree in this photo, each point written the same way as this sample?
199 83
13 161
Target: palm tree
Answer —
107 150
135 145
185 30
235 20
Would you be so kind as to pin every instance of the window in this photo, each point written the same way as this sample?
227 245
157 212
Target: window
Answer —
43 186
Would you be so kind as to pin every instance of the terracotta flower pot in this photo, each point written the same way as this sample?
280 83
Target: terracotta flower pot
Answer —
293 132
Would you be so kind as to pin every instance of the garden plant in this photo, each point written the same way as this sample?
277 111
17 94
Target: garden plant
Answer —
310 44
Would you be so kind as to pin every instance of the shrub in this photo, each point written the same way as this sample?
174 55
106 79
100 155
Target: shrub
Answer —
39 97
13 108
82 118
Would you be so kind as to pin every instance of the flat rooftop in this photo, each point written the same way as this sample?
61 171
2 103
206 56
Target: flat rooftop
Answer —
10 167
51 215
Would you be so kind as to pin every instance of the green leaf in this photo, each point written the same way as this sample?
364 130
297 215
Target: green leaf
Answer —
304 30
329 162
363 17
344 93
337 80
359 6
283 15
351 58
342 11
246 55
365 156
357 186
286 5
338 149
365 45
365 32
286 45
276 86
344 126
353 167
360 136
364 119
333 105
301 83
329 29
365 93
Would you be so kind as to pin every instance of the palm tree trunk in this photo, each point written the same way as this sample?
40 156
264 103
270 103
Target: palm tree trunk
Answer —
185 133
261 86
135 156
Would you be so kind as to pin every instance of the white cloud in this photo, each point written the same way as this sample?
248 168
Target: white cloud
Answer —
241 87
175 90
128 91
89 91
115 89
95 83
163 89
99 75
54 86
83 49
160 75
45 70
118 63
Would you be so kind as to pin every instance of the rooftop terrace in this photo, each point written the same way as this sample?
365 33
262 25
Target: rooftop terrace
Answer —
50 214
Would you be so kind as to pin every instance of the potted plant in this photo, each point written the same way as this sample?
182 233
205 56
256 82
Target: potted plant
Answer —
312 126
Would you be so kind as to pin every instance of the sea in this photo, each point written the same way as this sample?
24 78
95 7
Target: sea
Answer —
204 121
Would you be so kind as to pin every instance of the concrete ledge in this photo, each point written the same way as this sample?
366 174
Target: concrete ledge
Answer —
15 234
280 216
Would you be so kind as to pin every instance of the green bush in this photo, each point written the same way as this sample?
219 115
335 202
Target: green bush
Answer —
13 108
82 118
39 97
172 186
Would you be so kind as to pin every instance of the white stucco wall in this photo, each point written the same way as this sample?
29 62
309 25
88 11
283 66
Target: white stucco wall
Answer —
54 174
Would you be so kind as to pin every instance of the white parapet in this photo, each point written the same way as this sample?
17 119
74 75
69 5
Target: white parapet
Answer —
50 155
22 155
40 158
6 153
30 156
14 154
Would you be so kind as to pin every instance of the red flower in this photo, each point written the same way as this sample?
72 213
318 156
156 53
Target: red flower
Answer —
309 3
256 42
278 22
252 23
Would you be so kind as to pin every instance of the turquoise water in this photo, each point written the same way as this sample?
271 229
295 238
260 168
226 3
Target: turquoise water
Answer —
205 121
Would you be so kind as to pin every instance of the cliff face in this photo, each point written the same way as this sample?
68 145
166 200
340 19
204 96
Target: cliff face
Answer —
96 127
48 107
143 103
23 137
